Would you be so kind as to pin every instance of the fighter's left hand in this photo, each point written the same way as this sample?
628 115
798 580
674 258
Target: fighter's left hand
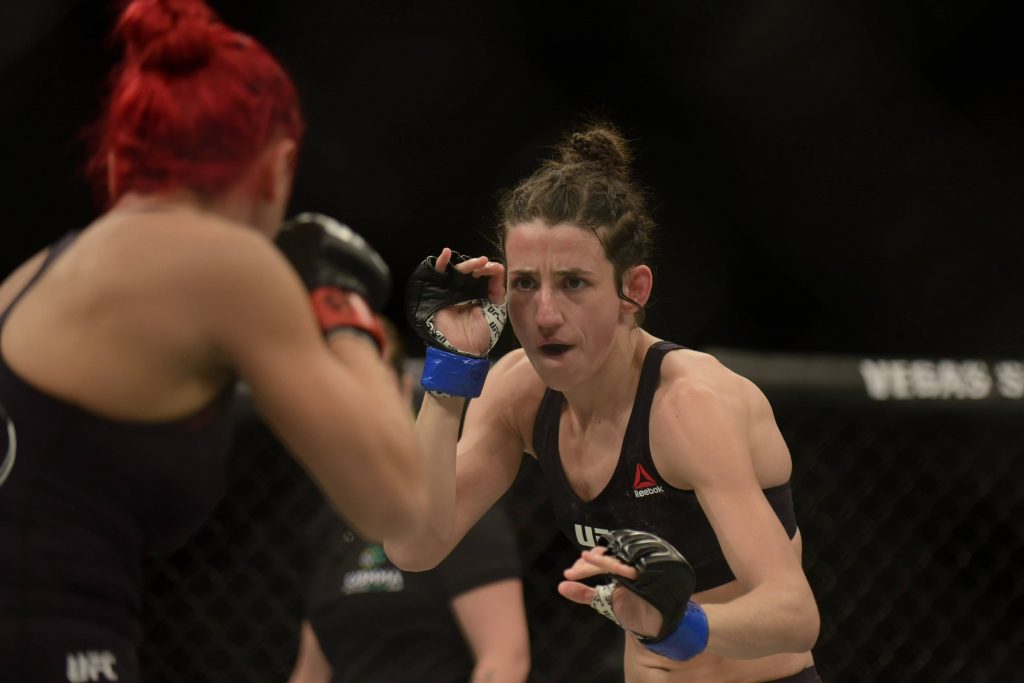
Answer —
633 612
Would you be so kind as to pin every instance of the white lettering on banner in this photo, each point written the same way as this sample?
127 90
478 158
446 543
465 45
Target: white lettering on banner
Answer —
585 534
86 667
1010 378
925 379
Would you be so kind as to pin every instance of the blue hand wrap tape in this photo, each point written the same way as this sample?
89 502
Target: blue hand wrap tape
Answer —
453 374
688 640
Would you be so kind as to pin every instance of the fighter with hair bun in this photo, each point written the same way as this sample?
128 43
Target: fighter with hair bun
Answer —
664 467
120 346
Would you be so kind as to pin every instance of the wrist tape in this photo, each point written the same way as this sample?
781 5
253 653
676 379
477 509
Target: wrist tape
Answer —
453 374
335 313
689 638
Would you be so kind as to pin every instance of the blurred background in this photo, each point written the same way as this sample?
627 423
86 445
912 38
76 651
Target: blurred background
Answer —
838 176
832 180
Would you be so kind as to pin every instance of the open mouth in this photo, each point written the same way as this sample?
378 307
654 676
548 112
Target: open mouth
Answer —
554 350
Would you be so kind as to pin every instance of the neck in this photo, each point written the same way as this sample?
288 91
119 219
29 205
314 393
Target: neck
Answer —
137 202
225 207
612 387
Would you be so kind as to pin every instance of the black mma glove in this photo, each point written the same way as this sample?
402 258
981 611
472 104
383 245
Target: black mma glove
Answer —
336 264
665 580
449 370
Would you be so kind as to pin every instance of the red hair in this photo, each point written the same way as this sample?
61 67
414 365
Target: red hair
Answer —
193 102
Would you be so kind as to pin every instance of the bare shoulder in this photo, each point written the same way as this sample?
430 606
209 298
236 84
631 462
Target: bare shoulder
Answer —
516 375
225 280
703 418
219 266
175 253
689 377
519 382
19 278
218 248
249 292
513 392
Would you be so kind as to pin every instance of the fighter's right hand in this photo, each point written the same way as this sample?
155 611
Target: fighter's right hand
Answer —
347 279
457 306
457 303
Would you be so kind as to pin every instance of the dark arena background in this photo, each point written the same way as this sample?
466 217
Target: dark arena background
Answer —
838 189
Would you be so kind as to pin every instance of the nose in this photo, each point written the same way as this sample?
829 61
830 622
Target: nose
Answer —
549 316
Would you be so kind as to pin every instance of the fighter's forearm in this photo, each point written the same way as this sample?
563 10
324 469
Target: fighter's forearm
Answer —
437 428
770 619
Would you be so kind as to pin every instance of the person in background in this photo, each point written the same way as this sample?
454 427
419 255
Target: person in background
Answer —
366 621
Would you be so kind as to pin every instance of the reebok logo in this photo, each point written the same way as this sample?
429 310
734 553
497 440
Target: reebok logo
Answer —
642 480
644 484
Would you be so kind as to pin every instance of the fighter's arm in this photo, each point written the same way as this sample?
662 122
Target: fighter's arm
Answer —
467 475
336 407
493 621
701 436
311 666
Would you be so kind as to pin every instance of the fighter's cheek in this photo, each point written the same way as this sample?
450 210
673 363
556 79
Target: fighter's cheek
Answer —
520 323
518 310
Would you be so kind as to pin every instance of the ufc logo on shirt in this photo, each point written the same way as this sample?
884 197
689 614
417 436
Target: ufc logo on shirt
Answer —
585 534
86 667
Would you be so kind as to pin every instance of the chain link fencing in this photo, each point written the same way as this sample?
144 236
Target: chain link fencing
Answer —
908 482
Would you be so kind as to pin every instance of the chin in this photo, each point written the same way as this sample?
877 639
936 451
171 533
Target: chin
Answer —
557 378
555 383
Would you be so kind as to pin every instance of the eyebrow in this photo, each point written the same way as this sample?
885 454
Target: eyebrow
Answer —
564 272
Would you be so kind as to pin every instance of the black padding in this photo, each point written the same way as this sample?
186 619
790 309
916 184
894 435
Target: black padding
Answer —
428 291
666 579
327 253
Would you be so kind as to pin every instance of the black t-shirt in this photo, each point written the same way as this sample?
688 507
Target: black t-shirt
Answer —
378 624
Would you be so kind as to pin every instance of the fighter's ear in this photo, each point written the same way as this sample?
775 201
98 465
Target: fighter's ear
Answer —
636 286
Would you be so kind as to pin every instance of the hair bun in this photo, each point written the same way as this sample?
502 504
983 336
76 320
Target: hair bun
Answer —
168 35
599 144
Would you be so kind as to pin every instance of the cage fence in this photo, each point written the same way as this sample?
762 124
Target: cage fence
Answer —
908 480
